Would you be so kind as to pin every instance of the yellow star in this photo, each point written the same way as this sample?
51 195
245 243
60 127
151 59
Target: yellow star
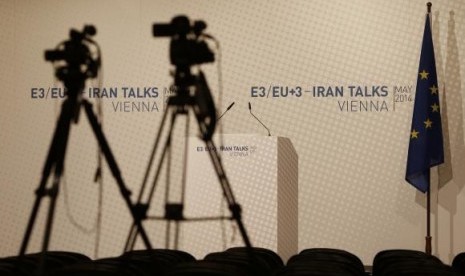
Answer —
414 134
435 107
424 75
434 89
428 123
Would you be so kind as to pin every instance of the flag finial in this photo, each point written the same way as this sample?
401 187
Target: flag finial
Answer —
429 6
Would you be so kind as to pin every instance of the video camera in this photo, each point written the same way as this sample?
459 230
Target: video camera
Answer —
186 47
76 54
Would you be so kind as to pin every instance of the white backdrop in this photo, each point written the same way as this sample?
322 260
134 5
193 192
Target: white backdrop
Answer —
352 193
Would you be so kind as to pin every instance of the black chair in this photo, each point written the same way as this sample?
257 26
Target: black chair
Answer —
324 261
336 252
269 256
317 269
9 269
458 264
157 261
207 268
417 269
103 268
29 263
174 256
408 262
17 266
252 264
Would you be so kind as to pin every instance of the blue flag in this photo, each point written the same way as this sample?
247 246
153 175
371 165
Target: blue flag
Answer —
426 148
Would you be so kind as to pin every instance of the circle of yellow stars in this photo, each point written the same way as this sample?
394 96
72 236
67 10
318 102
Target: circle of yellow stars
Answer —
434 107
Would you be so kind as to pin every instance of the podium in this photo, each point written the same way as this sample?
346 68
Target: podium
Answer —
263 172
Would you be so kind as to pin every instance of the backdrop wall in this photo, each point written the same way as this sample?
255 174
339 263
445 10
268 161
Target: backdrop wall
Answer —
352 147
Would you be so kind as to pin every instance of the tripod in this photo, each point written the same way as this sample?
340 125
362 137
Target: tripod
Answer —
74 77
202 106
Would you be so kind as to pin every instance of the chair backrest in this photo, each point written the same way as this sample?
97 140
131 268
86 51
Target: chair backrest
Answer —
207 268
396 262
273 259
29 263
459 263
325 260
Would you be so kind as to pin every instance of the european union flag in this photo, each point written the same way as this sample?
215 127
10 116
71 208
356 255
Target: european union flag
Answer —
426 146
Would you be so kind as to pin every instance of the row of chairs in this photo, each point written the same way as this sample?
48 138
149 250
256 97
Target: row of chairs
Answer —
134 263
232 262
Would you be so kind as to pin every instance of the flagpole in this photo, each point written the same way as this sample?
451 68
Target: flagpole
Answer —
428 238
426 147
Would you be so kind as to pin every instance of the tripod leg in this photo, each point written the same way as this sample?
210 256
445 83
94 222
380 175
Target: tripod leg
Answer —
152 155
166 149
49 223
131 240
228 194
168 234
133 232
61 128
184 180
115 171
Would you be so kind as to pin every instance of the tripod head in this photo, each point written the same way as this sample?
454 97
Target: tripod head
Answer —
78 62
188 48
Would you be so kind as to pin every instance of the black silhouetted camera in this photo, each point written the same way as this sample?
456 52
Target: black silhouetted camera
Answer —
76 54
187 46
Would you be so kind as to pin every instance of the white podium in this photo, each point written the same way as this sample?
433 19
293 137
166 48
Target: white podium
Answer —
263 173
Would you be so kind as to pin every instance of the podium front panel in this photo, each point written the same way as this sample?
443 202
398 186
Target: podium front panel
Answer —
263 174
